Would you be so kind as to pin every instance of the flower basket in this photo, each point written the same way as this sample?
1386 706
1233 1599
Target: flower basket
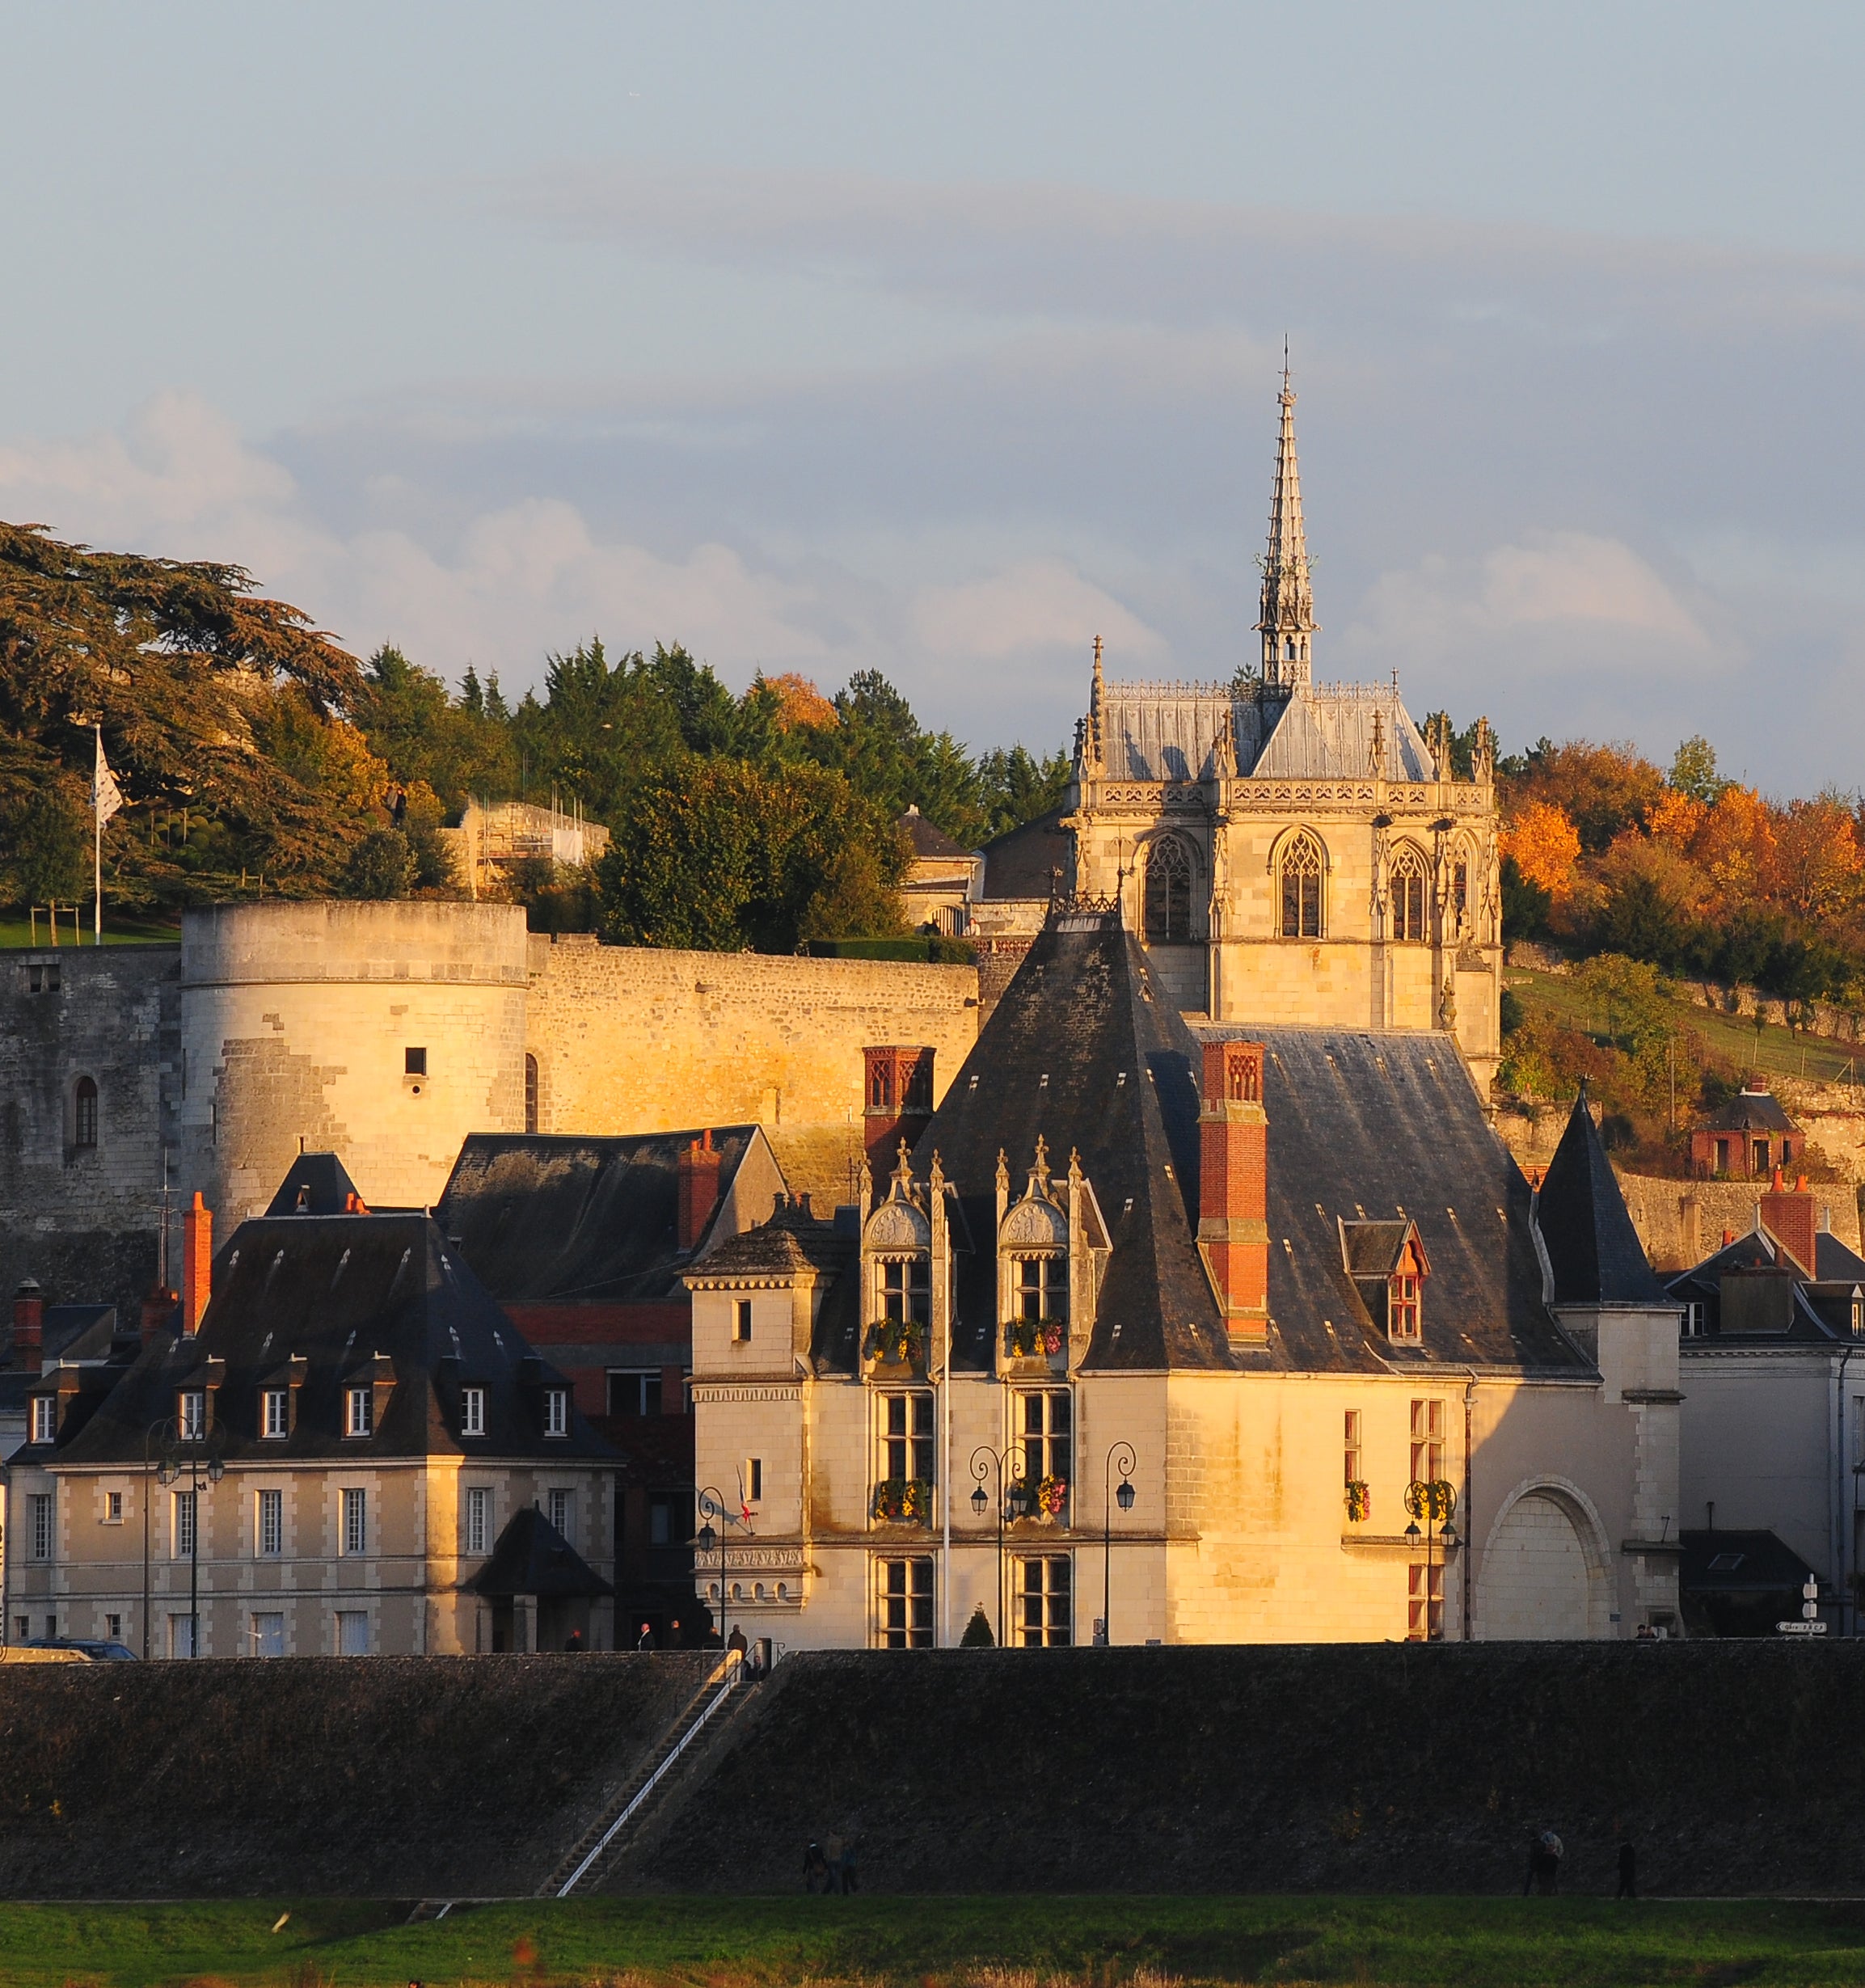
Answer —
1436 1500
1028 1338
1050 1498
902 1501
896 1339
1358 1500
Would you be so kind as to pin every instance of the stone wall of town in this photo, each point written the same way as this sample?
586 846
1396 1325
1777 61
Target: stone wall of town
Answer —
628 1039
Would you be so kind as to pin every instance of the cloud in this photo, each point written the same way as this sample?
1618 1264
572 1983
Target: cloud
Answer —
1035 604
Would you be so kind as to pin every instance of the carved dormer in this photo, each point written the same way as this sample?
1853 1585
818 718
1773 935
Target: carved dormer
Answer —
1052 1244
896 1274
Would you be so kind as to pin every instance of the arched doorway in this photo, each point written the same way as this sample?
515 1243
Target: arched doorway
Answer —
1542 1578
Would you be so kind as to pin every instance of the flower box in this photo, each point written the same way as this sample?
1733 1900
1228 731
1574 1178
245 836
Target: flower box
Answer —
902 1501
900 1340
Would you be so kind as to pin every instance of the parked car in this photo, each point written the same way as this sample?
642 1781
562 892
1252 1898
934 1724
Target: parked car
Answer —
40 1653
99 1647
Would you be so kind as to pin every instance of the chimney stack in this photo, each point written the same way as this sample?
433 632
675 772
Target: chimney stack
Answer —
1792 1220
697 1168
158 1313
28 1327
1233 1187
897 1103
196 1263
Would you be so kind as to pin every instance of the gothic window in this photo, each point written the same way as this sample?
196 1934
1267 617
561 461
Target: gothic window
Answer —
906 1290
1168 906
1302 869
1407 891
1459 891
84 1114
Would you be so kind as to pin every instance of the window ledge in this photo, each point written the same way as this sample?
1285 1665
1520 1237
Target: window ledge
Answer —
1396 1543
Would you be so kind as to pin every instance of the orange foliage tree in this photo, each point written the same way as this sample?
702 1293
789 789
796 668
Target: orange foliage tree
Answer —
1546 846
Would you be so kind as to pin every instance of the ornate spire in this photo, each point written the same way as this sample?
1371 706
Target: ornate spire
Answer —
1287 598
1091 747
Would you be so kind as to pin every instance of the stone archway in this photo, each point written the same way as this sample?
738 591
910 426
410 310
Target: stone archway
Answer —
1544 1575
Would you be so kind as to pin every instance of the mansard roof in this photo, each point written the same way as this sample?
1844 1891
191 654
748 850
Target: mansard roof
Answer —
1169 732
1085 1050
353 1297
582 1219
1593 1248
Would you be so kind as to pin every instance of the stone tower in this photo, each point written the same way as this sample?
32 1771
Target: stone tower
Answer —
1295 853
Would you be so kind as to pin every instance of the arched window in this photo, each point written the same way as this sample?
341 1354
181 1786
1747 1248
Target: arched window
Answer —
1408 881
530 1094
84 1114
1302 869
1168 907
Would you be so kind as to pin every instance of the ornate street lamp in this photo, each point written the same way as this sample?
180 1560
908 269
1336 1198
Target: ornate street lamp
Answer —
1012 1495
712 1506
196 1457
1124 1497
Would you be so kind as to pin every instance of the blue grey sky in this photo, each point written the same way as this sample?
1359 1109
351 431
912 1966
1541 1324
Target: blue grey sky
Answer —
938 340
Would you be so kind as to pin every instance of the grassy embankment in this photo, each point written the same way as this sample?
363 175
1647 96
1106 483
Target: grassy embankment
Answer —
1774 1050
921 1942
120 928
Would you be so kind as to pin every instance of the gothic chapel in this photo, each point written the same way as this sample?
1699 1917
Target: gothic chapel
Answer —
1293 853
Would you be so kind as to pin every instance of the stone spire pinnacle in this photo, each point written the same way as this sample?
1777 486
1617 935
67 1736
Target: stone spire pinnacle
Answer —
1287 598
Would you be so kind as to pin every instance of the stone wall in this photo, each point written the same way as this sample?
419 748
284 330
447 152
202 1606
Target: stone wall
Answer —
85 1221
629 1040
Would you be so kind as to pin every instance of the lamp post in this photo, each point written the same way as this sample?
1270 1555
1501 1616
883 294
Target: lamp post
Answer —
1124 1497
196 1456
712 1506
1009 1460
1436 1500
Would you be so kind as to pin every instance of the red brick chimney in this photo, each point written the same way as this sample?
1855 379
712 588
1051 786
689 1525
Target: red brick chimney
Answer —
158 1312
896 1102
1233 1186
28 1327
196 1263
1792 1220
697 1168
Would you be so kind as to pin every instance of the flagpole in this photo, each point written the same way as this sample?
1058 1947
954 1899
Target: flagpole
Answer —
97 847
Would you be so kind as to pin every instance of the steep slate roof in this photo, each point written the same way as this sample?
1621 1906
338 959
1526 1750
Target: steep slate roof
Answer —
1383 1129
1595 1252
1020 863
323 1181
339 1290
532 1557
1168 731
545 1218
1821 1310
1082 1013
927 840
1750 1111
1765 1564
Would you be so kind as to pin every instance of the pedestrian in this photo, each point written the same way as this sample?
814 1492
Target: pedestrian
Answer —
831 1851
574 1641
1544 1863
815 1868
1628 1871
645 1640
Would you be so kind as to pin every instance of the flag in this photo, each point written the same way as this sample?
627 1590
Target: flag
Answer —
106 795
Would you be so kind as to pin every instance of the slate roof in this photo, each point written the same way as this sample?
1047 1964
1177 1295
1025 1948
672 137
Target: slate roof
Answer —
1821 1310
316 1184
1168 731
338 1291
1750 1111
1765 1564
532 1557
793 1239
542 1219
927 839
1020 863
1594 1250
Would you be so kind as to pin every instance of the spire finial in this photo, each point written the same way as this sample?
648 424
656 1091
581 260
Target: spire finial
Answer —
1288 622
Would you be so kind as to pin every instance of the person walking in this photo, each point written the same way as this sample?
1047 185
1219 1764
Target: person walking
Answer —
815 1869
832 1850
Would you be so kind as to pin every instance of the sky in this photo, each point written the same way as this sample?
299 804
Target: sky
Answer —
940 340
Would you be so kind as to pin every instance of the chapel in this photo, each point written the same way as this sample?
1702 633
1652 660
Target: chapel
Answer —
1289 852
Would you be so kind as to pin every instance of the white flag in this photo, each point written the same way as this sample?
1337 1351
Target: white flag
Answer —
105 797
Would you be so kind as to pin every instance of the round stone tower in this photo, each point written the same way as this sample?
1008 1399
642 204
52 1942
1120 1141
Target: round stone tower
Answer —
383 1032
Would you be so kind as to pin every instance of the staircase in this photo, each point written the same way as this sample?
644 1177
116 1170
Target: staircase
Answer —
624 1810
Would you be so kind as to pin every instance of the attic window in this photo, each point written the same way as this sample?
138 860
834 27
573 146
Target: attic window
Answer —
193 1415
472 1412
415 1062
1726 1563
974 1085
556 1412
1403 1306
359 1411
277 1412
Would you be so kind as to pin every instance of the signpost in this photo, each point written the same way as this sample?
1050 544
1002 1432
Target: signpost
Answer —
1810 1624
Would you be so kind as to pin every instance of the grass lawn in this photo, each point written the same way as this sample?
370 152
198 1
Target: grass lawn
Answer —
930 1943
120 928
1778 1051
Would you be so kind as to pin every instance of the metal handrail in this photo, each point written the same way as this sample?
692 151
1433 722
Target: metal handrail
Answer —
734 1662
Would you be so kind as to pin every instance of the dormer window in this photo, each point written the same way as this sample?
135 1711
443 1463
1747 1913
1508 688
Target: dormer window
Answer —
44 1418
359 1411
1386 1262
1402 1307
556 1412
472 1412
193 1416
275 1414
906 1291
1043 1289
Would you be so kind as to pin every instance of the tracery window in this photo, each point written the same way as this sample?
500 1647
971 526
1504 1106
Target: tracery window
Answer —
1407 891
1459 891
1168 905
1302 868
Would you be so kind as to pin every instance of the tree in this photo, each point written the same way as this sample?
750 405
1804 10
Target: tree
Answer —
50 839
380 865
1544 846
1601 789
1693 771
977 1631
1524 904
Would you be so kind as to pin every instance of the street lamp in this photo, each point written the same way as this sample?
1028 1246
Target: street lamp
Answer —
195 1456
1012 1461
712 1506
1436 1500
1124 1497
